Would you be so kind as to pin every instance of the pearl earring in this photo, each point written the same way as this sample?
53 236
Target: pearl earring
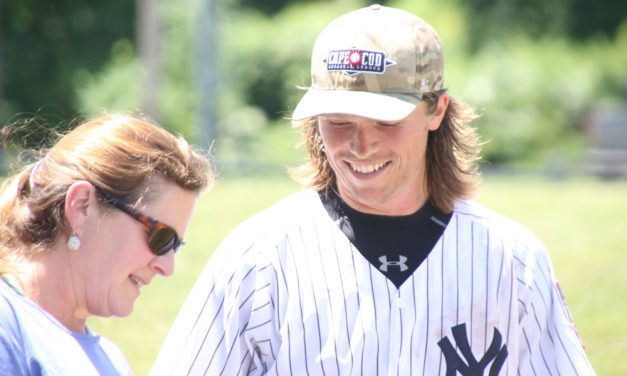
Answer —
73 243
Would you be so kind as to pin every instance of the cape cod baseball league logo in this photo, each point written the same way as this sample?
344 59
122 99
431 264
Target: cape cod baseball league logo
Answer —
496 354
355 60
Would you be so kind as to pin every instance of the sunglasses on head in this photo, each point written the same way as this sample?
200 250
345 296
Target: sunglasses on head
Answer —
161 237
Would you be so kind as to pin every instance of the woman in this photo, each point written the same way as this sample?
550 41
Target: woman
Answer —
82 231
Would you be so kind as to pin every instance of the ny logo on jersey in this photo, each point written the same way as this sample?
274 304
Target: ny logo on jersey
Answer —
496 354
400 263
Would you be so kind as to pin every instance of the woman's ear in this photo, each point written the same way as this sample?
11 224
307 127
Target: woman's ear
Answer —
436 117
80 200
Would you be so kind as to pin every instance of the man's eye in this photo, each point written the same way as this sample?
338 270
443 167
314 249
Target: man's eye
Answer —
336 123
388 125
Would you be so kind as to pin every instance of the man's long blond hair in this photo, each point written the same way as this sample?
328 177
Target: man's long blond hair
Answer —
453 152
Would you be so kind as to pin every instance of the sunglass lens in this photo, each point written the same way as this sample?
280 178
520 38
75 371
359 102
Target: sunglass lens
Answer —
163 240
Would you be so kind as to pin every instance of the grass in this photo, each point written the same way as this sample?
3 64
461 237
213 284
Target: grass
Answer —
582 222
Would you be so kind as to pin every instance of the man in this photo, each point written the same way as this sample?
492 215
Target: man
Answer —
382 265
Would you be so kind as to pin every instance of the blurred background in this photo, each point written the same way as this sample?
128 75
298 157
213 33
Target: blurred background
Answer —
549 77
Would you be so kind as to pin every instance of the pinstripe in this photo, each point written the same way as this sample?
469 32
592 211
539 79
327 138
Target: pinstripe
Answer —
277 294
472 276
498 299
545 274
228 315
424 365
509 311
226 362
252 293
230 348
313 292
205 337
457 268
279 309
523 282
520 261
523 305
205 305
559 337
289 348
413 329
498 283
348 334
271 347
263 268
548 332
374 301
326 282
469 214
265 304
361 318
535 317
289 342
530 351
457 289
551 287
201 311
212 356
400 348
300 305
241 364
487 291
544 300
442 273
256 326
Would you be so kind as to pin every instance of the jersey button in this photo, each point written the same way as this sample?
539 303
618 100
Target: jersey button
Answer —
400 303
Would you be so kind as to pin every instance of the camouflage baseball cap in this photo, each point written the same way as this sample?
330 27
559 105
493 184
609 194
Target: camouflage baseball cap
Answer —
375 62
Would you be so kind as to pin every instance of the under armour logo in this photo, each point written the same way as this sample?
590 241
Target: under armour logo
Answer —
400 263
455 363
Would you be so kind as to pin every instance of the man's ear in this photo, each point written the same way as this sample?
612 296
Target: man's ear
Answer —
80 200
436 117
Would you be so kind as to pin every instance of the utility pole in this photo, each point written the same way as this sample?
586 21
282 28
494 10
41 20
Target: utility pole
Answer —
204 69
147 31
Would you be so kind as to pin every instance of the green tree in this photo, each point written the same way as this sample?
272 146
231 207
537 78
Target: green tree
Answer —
578 19
47 47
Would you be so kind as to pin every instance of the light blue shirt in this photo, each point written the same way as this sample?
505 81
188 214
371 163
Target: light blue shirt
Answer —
32 342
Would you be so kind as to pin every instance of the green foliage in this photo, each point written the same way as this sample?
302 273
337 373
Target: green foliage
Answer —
579 19
178 98
594 19
114 87
533 94
532 84
119 84
272 7
267 58
47 47
265 62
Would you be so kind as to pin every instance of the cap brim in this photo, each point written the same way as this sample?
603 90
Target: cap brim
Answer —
378 106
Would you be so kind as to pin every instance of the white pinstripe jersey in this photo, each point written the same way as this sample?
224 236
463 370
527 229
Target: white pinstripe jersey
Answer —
287 294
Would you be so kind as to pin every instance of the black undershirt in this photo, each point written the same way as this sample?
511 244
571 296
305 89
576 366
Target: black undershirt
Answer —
395 245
